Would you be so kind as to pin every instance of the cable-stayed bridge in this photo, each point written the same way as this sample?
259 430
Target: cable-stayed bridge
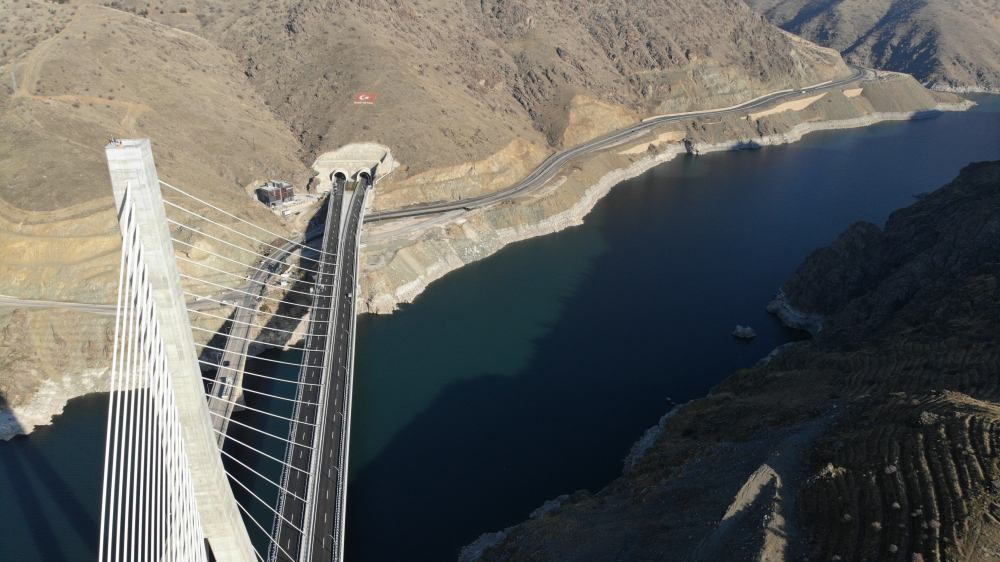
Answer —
185 478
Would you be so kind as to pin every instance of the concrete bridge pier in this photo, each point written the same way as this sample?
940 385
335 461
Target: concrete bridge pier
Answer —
130 162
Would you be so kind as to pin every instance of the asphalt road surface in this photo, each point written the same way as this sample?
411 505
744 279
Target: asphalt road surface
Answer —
223 396
330 497
548 169
318 461
295 479
81 306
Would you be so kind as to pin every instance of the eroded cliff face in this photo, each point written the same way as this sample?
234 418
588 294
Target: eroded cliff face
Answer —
875 441
47 357
868 272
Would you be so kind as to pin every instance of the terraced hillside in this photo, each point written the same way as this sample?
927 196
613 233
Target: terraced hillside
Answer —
877 440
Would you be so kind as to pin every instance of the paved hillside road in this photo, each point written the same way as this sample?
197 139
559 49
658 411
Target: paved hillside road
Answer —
81 306
548 169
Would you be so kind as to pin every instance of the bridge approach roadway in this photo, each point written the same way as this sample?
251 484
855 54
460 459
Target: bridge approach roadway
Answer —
311 523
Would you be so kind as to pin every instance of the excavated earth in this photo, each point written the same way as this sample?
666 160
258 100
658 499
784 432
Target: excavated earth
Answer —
877 440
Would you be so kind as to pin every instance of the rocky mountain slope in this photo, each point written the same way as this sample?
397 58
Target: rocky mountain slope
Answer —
878 440
99 74
950 45
459 81
472 96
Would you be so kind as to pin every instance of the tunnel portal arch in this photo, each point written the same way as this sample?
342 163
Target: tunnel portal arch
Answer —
353 162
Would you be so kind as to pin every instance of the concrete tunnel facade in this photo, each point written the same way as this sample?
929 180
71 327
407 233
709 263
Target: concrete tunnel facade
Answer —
353 162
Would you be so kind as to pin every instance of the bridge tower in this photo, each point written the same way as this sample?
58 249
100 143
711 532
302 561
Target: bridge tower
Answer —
133 176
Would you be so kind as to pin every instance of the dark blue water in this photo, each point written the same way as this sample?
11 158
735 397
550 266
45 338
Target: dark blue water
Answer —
530 374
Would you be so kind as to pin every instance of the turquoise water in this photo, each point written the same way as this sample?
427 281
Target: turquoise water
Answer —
529 374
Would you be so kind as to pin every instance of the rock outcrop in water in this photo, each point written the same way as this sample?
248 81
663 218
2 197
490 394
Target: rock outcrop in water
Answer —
878 440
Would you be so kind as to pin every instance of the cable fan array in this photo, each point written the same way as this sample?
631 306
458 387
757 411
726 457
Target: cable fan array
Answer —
148 508
255 454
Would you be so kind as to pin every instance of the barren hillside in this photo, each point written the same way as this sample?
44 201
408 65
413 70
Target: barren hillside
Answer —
458 81
948 44
104 74
472 96
878 440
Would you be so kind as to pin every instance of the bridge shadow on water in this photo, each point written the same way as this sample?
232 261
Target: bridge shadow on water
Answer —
50 488
489 449
687 260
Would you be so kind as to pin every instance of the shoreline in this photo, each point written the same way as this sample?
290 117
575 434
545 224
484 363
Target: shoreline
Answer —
43 406
386 303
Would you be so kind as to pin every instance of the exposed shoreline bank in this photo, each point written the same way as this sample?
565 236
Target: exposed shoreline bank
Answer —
562 202
380 301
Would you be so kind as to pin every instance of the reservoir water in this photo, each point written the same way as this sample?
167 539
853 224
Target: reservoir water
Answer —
530 374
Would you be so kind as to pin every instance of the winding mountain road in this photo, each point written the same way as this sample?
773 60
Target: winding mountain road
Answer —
548 169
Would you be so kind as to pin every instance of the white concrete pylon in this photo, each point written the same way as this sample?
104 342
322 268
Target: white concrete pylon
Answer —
130 162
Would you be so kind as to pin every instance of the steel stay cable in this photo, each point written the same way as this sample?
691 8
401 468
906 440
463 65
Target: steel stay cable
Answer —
200 297
227 213
124 474
260 431
260 412
248 356
265 478
269 538
263 328
239 248
254 252
112 412
251 294
265 503
121 404
259 451
238 232
252 341
239 338
249 280
233 385
245 373
269 257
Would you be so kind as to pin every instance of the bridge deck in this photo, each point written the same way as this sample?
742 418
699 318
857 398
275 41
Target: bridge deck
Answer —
312 505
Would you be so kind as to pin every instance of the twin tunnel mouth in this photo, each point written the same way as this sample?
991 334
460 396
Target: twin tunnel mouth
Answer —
360 175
